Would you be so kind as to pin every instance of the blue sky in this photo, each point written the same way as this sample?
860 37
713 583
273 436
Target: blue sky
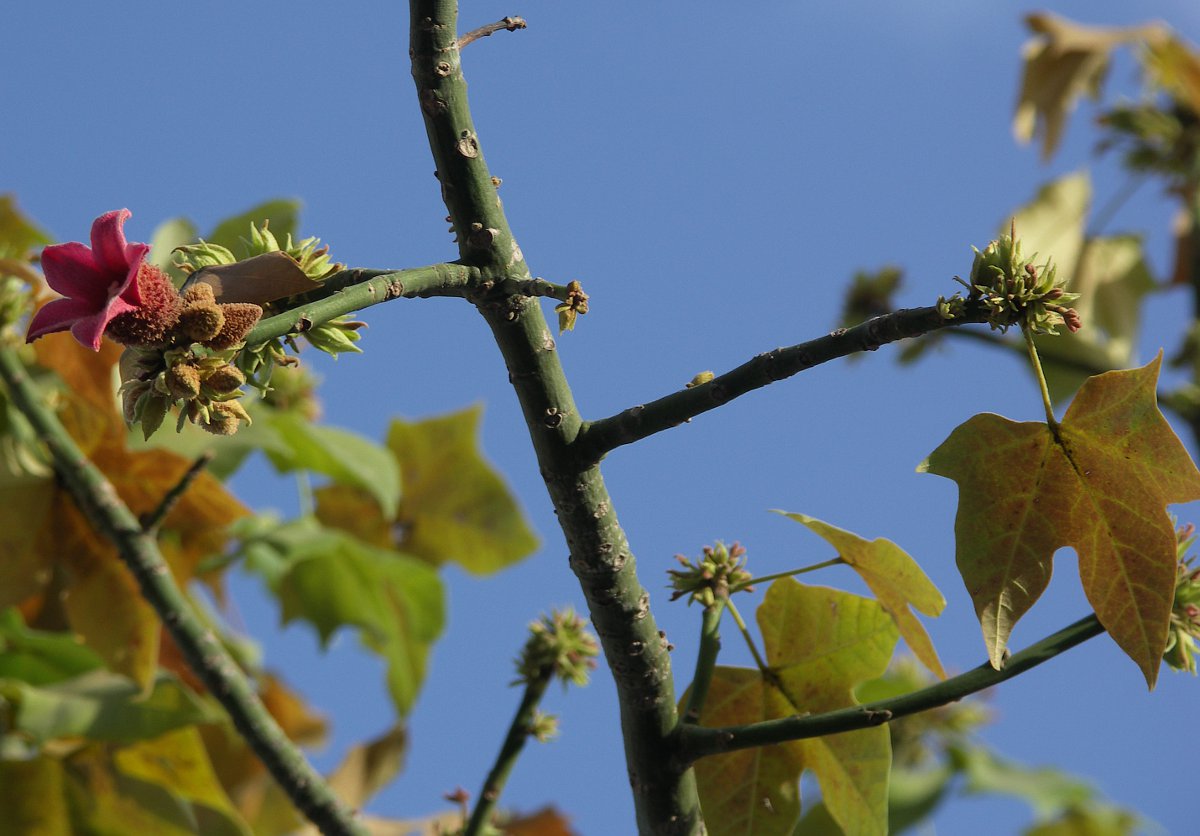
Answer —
713 177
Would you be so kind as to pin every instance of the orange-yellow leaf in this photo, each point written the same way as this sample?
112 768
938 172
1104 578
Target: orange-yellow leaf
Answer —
894 577
1063 62
1101 486
820 643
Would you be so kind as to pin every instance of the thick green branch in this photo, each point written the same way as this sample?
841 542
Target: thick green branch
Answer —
99 501
697 742
514 742
596 438
353 290
664 791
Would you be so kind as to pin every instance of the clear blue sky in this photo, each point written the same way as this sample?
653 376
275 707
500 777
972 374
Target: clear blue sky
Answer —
714 174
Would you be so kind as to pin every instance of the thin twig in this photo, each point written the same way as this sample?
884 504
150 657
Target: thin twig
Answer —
207 657
514 742
599 437
511 24
697 741
152 520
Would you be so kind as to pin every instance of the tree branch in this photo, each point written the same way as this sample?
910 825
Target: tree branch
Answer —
696 742
511 24
664 792
152 520
514 742
353 290
596 438
98 500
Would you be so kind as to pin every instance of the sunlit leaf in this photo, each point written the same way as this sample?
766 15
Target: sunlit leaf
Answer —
1092 820
345 457
1175 68
820 643
333 580
1101 487
103 706
295 717
355 511
545 822
283 213
39 657
18 234
369 767
454 506
1063 62
894 577
171 233
177 765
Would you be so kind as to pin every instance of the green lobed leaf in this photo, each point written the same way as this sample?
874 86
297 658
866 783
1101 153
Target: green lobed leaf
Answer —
333 580
103 706
345 457
455 507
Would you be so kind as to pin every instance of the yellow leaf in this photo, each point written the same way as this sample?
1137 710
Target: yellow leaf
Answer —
896 580
1101 486
1064 61
820 644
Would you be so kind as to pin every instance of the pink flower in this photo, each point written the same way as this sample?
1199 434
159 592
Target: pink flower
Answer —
99 283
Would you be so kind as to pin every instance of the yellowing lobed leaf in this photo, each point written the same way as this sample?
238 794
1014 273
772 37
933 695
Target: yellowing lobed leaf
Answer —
820 643
1064 61
1101 486
894 577
454 506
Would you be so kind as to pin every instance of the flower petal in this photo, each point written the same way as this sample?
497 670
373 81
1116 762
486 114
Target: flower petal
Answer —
57 315
131 290
108 241
71 270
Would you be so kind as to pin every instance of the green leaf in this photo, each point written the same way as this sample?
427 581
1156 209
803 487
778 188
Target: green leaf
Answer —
103 706
820 644
1109 274
1101 486
343 456
1048 791
455 507
283 213
894 577
333 580
18 234
38 657
172 233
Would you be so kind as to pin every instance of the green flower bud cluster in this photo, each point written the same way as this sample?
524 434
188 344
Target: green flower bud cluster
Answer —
313 259
717 573
1185 612
1018 292
337 336
559 645
544 727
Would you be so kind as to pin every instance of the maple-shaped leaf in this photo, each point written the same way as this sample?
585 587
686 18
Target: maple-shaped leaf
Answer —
333 580
820 643
1100 484
454 506
894 577
369 767
1064 61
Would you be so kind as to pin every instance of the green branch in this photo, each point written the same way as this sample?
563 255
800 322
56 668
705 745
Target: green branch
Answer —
207 657
696 742
664 791
518 733
599 437
706 661
353 290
